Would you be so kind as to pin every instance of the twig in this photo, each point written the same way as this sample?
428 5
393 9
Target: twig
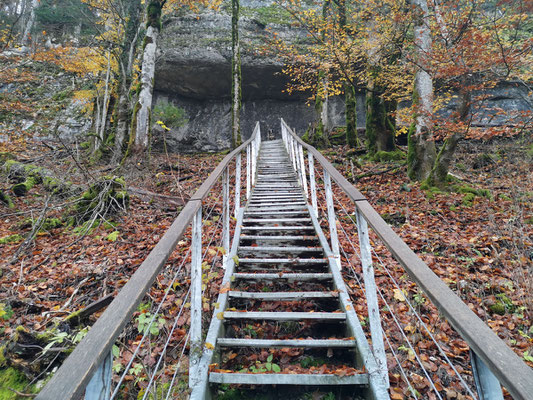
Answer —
373 173
170 199
21 273
22 394
73 294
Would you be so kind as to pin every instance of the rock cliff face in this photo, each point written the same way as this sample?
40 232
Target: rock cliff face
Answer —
194 69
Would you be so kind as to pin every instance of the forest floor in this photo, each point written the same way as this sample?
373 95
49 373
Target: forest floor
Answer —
478 241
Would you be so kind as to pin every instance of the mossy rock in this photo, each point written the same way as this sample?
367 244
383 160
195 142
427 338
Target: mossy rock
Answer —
470 190
21 189
6 199
387 156
51 223
497 308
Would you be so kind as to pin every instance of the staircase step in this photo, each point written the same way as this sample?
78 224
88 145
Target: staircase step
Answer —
260 237
282 275
285 316
280 248
277 228
277 343
276 220
281 296
283 261
296 205
287 379
303 210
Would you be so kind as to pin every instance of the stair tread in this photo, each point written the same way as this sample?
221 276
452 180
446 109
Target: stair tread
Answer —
281 295
287 379
293 237
268 343
277 220
304 276
279 228
280 248
283 260
285 315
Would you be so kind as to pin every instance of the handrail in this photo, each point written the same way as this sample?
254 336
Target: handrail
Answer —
72 377
508 368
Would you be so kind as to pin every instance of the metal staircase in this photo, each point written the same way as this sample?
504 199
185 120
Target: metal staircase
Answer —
283 290
283 323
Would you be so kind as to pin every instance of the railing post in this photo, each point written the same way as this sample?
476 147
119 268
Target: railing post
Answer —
372 298
254 162
298 163
332 219
312 182
302 164
488 386
248 171
293 153
196 298
225 213
99 387
237 184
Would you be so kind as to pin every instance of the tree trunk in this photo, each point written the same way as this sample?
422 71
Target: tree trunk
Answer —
351 115
144 104
422 153
236 76
439 173
380 125
142 111
126 64
26 37
101 132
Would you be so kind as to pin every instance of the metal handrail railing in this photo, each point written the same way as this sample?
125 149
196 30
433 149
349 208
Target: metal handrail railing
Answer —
486 347
72 378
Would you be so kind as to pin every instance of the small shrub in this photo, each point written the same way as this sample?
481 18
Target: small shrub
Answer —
169 114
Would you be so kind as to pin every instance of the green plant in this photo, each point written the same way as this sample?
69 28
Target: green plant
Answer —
58 337
259 367
170 115
5 311
527 357
250 331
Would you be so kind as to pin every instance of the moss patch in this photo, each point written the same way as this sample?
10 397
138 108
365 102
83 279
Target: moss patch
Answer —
11 378
6 199
384 156
11 239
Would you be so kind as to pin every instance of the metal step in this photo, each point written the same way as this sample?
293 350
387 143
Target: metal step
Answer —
280 296
281 248
260 237
285 316
273 213
287 379
290 276
300 205
283 261
276 220
277 228
277 343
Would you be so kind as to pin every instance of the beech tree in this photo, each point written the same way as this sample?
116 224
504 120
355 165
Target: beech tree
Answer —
469 48
356 47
